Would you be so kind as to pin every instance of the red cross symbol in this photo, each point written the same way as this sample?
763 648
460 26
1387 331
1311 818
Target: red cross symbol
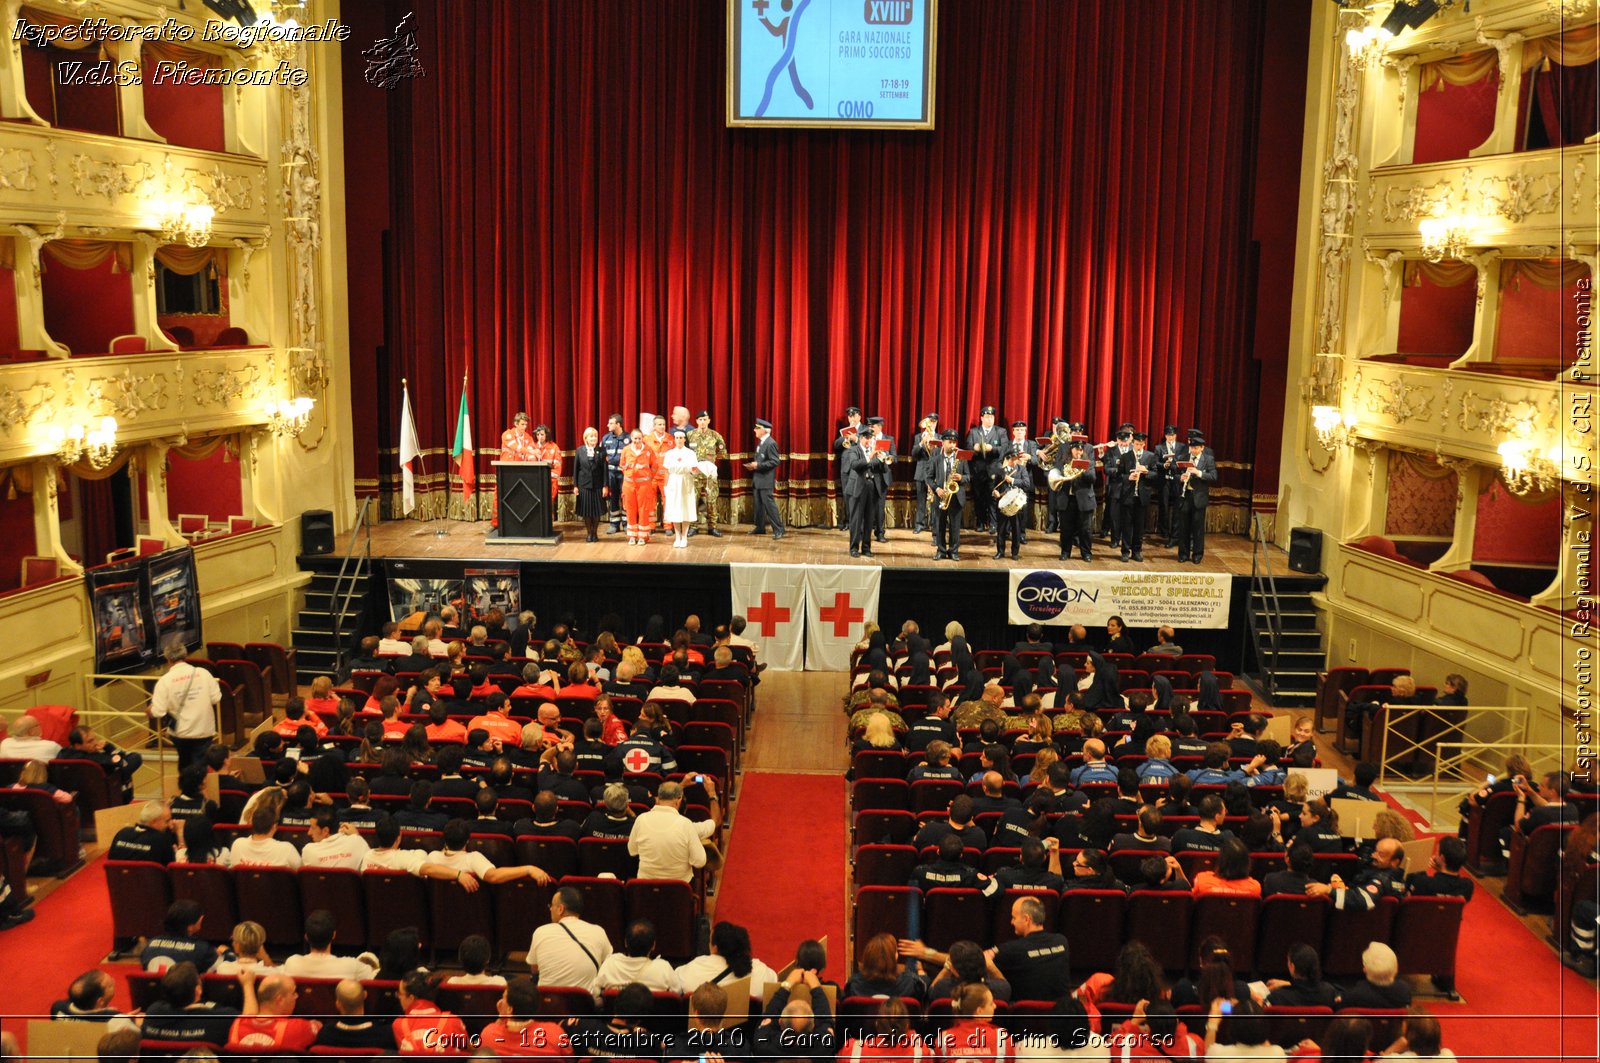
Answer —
636 760
769 614
841 615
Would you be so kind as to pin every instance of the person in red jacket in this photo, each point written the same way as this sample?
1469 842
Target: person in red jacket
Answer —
891 1040
519 1031
425 1029
273 1027
1154 1033
973 1036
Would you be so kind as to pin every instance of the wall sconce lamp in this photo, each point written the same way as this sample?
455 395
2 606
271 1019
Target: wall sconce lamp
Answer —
1445 236
1367 44
96 443
288 417
188 223
1334 426
1525 470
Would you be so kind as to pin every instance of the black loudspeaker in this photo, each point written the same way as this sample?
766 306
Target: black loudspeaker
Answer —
1305 550
316 531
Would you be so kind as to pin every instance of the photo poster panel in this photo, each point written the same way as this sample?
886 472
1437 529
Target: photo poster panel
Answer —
138 604
492 588
175 599
409 595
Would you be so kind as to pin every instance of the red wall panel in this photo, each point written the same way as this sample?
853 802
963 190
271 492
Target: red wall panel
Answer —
1454 119
208 485
187 115
86 308
1537 324
1435 319
1513 532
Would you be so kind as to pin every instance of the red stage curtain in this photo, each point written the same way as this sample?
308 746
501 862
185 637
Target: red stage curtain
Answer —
571 218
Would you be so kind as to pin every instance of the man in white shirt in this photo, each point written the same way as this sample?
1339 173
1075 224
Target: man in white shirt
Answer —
318 961
476 866
333 844
25 742
189 695
389 646
567 950
261 849
388 856
667 844
636 963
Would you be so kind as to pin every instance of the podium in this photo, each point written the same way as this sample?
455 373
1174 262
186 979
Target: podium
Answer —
524 504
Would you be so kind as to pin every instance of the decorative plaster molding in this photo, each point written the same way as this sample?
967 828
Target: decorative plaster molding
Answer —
1479 413
1399 400
16 170
97 177
1520 201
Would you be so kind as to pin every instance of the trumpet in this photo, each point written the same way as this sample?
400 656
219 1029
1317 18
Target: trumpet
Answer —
950 487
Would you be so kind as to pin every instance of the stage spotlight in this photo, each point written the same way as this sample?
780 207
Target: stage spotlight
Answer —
238 10
1409 14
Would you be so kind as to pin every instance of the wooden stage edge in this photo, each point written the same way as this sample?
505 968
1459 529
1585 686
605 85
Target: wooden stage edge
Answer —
466 540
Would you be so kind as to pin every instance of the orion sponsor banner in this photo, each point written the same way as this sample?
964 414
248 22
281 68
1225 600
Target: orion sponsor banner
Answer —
1142 599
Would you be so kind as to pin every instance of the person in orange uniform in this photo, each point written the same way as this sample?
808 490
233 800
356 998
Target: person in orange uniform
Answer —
641 473
516 444
660 441
520 1031
545 450
425 1029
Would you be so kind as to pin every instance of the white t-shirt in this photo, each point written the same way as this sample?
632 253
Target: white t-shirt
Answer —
651 971
407 860
325 965
667 844
189 695
472 863
336 850
702 969
475 979
264 852
393 648
20 748
561 959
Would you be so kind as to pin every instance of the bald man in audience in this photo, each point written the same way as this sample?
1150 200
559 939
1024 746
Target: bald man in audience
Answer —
353 1028
273 1027
1094 767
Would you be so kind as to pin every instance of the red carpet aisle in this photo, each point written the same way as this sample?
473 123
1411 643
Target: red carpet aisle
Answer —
785 873
69 936
1512 987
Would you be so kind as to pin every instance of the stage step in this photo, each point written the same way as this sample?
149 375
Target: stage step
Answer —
1301 655
329 598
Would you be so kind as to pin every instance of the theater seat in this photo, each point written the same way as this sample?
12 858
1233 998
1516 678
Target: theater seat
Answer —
393 900
457 915
884 865
883 910
670 906
1233 919
521 906
1287 919
950 915
1348 933
140 894
1094 921
212 888
1425 934
603 904
58 850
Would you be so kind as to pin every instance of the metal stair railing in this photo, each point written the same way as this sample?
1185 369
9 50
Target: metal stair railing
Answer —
337 603
1264 584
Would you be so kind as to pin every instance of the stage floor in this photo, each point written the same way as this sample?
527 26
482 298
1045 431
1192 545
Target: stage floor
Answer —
811 546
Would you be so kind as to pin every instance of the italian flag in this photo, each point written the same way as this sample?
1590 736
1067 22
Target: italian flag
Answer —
461 451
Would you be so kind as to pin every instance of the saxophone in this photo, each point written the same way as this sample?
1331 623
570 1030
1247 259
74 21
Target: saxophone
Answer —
950 486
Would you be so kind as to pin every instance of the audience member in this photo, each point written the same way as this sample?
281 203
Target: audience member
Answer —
567 950
637 963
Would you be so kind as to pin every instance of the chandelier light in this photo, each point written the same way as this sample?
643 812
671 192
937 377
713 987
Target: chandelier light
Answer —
288 417
1333 426
188 223
1525 470
97 443
1367 45
1446 236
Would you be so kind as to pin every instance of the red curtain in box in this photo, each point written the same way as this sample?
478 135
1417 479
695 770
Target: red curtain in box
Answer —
571 218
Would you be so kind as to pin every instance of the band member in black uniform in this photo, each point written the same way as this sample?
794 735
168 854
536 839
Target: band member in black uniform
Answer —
1194 496
1117 462
1014 475
987 441
1046 453
1072 496
1168 453
1019 438
925 449
1141 482
763 469
887 457
841 443
948 476
864 486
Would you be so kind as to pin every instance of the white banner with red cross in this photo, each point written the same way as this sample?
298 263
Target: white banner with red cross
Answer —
772 599
840 599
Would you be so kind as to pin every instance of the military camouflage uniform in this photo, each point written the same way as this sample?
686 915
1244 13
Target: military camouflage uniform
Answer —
708 445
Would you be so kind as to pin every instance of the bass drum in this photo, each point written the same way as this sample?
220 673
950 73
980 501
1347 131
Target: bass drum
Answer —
1012 501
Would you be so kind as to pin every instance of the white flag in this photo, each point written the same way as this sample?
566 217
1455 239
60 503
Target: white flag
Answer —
772 599
840 599
410 449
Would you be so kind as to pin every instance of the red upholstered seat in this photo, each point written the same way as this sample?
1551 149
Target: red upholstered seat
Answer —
670 905
950 915
1348 933
211 887
1287 920
603 904
884 865
1233 919
521 906
882 910
1094 919
140 894
884 826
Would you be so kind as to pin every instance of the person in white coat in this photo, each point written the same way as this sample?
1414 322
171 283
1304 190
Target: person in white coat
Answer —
679 506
